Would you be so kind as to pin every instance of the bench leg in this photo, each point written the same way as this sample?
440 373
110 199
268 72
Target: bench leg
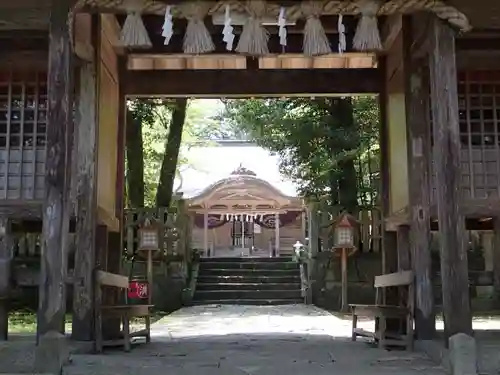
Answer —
409 333
148 328
126 333
381 329
98 333
354 326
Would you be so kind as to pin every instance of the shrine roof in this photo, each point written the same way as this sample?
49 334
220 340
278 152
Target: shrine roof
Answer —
225 160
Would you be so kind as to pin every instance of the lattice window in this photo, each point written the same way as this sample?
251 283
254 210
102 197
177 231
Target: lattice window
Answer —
479 121
478 95
23 126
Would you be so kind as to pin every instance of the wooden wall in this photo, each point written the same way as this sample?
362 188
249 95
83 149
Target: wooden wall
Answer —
396 123
108 128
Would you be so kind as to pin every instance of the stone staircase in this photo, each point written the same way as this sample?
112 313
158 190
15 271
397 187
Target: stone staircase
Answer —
248 281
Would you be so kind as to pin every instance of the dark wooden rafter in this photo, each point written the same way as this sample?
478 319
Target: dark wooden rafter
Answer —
251 82
56 212
418 141
444 97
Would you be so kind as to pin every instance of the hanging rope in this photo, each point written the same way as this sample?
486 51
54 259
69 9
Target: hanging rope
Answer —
134 33
315 40
254 37
367 37
197 39
442 10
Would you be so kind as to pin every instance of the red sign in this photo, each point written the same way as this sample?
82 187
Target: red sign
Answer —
138 290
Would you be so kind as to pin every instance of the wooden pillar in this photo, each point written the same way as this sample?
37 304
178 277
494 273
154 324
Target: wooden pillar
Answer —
205 232
51 353
454 273
121 140
57 206
277 234
388 240
5 269
403 244
242 233
419 151
86 200
345 282
496 260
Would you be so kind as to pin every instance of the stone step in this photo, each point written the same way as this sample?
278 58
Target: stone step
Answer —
247 286
247 259
205 295
247 272
250 265
248 278
254 302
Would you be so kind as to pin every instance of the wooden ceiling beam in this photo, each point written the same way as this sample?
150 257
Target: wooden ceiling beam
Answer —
264 82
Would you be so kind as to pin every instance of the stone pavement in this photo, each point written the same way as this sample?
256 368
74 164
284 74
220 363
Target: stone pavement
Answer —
257 340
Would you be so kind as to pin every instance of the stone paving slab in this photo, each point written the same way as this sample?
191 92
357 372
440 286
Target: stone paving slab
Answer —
256 340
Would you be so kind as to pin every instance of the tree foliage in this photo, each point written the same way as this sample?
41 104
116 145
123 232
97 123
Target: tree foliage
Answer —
148 151
323 143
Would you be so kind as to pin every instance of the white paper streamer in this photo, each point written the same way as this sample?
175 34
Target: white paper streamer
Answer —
227 32
342 39
168 29
282 25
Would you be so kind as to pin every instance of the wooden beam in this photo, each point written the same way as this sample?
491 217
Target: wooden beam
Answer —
456 306
111 279
271 82
51 354
5 275
112 31
83 37
391 29
419 150
393 279
86 195
478 44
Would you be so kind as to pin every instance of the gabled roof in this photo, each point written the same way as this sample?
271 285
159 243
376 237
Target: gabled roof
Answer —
223 163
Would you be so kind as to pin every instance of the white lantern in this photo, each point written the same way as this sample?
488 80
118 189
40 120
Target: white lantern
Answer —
344 233
149 237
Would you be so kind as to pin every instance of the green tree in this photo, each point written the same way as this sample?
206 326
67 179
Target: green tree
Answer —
159 134
324 143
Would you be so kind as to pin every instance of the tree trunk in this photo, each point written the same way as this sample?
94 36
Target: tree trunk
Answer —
342 111
135 161
172 147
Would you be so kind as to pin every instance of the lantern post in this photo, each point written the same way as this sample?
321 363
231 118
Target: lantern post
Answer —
344 247
149 242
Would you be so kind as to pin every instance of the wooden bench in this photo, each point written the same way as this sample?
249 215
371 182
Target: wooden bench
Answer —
124 312
382 312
